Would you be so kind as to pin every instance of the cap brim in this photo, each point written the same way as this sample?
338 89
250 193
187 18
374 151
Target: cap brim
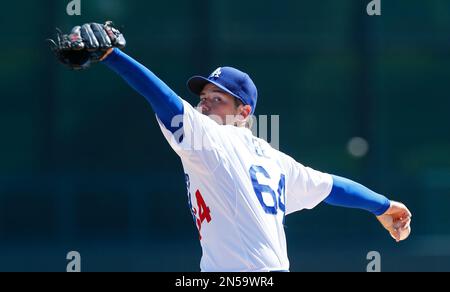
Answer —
197 83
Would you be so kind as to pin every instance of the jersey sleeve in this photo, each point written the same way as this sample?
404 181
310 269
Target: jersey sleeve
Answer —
197 139
305 187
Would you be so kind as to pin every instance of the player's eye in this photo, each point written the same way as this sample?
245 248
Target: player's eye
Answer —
217 99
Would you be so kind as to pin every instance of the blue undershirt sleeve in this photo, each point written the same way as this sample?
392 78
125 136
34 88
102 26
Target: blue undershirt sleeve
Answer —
163 100
347 193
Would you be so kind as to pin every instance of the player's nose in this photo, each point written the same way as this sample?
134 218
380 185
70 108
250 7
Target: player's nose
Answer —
203 105
205 110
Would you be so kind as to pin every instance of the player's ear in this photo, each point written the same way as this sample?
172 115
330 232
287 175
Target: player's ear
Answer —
245 111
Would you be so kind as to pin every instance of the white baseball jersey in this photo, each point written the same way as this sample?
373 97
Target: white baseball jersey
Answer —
239 191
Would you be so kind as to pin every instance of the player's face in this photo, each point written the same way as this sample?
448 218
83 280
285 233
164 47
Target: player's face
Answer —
217 104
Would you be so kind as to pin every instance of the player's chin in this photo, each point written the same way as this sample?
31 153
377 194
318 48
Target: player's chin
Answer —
216 118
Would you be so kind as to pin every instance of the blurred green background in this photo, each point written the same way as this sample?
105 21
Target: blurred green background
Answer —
83 165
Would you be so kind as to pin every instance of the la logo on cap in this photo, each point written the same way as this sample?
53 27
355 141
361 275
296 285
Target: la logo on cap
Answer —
217 73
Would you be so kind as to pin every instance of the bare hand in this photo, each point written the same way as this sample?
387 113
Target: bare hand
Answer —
397 220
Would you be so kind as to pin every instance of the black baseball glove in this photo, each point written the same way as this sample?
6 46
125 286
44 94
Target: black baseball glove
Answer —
86 44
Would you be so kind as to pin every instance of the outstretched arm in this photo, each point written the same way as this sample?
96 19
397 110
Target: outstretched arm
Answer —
93 42
394 216
163 100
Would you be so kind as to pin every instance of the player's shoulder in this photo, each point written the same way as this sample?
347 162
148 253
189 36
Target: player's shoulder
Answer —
262 146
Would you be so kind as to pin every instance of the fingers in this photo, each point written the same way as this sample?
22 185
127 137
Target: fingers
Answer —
117 38
398 211
89 38
404 215
403 233
406 226
400 208
53 45
59 33
95 37
76 39
395 234
397 220
400 230
407 212
101 36
402 223
407 232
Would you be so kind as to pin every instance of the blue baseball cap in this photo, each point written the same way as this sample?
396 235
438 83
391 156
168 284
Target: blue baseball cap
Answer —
230 80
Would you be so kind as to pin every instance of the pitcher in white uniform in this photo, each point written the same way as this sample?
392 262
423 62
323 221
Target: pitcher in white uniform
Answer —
239 188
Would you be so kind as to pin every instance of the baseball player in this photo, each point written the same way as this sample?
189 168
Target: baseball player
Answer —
239 188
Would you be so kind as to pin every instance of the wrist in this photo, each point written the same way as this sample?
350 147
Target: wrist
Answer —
106 55
383 209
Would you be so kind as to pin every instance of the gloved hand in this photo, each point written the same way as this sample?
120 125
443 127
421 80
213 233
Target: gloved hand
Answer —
86 44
